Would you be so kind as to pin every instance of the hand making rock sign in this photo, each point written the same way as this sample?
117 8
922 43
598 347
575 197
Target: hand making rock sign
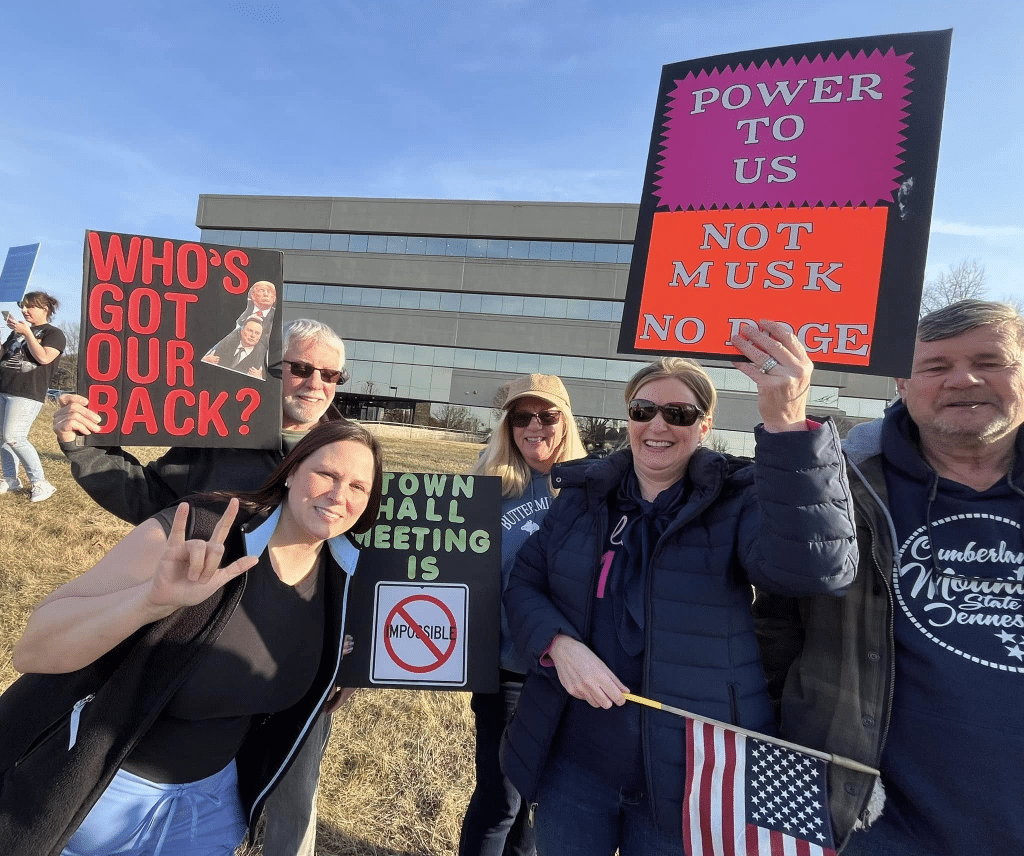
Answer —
144 578
219 681
190 571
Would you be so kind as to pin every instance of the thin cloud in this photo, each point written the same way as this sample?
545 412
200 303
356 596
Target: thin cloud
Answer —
944 227
507 180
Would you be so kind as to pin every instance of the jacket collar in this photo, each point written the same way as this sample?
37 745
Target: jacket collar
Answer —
865 441
344 552
707 471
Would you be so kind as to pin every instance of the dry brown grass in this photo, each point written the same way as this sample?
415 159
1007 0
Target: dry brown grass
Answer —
399 768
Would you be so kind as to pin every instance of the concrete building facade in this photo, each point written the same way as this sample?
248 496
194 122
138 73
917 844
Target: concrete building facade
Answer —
440 302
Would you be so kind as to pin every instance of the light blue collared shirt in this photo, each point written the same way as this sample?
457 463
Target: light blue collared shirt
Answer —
345 553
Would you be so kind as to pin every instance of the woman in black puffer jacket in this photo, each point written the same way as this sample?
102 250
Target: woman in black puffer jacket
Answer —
640 580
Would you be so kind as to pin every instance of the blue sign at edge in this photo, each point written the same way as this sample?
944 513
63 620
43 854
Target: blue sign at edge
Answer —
17 270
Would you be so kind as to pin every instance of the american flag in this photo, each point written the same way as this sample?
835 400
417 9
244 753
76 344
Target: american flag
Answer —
745 797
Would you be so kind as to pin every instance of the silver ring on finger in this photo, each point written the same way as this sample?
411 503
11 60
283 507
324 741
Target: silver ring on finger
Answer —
768 365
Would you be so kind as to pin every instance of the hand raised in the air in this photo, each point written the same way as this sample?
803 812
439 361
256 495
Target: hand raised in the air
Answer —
190 571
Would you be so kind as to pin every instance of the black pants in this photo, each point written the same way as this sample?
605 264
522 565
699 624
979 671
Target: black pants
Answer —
496 822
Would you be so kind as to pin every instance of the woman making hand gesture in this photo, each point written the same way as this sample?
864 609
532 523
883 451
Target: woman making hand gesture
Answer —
170 685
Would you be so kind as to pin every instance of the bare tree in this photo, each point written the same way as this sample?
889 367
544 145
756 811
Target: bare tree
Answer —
716 442
964 280
593 430
67 369
453 417
72 331
1014 300
498 400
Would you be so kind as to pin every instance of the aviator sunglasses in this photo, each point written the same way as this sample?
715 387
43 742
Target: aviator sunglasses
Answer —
684 415
522 418
304 370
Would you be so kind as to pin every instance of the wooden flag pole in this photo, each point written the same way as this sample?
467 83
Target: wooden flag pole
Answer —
849 763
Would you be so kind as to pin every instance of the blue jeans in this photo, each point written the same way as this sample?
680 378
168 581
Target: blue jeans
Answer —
137 817
496 821
16 417
579 814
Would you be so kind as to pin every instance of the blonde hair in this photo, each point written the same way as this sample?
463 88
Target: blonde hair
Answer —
688 371
501 456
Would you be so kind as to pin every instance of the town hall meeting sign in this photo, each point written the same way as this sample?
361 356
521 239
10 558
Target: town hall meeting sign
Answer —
794 184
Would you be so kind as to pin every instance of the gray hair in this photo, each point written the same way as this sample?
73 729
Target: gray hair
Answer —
965 315
305 331
688 371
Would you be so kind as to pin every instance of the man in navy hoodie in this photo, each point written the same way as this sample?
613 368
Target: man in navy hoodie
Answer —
919 670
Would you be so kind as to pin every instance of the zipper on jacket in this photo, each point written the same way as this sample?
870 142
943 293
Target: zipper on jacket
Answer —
892 682
887 584
645 746
890 527
316 713
531 817
76 716
892 669
700 505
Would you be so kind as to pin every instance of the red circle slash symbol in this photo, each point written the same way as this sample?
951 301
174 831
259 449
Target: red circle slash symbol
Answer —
440 657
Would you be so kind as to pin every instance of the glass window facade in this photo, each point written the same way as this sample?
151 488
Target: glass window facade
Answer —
862 408
425 373
406 245
460 301
370 359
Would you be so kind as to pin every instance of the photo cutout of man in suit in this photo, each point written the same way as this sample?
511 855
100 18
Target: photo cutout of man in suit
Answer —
242 350
261 299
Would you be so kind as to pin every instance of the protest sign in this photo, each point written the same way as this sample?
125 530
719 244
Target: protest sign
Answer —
177 341
16 272
795 184
424 604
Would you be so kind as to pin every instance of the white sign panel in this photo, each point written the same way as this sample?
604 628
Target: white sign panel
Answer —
419 634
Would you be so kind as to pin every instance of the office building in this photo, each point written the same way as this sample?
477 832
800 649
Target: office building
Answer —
441 301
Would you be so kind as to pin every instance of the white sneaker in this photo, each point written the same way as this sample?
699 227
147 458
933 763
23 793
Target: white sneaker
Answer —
6 486
42 490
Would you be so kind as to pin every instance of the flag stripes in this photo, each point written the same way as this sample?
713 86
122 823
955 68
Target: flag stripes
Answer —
744 797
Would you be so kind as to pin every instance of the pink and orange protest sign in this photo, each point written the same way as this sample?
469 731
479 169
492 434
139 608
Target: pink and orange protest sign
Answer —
795 184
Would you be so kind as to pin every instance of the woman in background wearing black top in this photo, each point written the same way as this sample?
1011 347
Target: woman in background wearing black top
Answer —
27 365
241 628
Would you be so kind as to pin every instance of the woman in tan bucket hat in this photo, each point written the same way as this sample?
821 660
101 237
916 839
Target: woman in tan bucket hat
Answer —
536 431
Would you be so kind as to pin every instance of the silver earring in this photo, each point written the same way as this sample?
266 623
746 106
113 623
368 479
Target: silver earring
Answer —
287 485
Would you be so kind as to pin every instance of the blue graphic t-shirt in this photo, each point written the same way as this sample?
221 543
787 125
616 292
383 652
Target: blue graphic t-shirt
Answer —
520 518
956 740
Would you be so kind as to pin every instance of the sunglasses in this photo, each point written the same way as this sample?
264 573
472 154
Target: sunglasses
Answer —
642 410
522 418
304 370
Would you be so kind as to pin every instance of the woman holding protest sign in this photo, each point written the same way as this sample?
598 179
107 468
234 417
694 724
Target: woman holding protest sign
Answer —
169 687
27 365
640 580
536 431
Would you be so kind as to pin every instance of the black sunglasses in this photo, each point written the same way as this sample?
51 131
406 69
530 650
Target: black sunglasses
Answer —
642 410
522 418
304 370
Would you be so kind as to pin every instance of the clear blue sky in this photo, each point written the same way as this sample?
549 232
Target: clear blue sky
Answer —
117 115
